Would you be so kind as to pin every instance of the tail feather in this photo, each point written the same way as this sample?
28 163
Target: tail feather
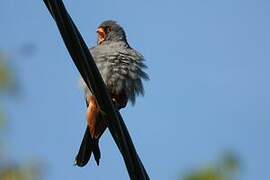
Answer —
88 146
96 151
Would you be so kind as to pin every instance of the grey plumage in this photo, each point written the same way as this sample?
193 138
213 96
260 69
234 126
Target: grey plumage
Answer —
121 68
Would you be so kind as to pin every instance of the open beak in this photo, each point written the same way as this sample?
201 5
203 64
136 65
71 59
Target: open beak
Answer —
101 35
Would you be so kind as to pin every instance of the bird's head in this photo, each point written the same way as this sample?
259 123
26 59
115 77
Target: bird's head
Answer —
110 31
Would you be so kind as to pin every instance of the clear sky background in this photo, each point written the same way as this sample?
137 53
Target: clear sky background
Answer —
209 91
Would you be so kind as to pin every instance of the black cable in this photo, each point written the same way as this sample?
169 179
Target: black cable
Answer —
85 64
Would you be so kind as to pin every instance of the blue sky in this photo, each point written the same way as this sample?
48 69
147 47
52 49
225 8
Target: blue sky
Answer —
209 90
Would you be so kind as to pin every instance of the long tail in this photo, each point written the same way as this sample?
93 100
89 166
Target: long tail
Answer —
88 146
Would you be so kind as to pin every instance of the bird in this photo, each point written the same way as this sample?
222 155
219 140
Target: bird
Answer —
122 69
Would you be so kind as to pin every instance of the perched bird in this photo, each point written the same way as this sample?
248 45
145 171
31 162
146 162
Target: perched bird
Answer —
121 68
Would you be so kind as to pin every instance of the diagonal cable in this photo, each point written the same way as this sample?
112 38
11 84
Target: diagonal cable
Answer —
84 62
